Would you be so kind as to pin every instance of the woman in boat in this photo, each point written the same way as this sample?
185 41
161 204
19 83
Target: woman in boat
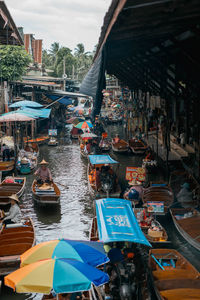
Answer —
116 139
14 215
43 173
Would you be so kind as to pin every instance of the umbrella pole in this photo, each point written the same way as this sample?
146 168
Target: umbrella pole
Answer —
56 296
93 293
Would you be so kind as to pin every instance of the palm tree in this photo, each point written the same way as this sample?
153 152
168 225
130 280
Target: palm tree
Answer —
79 50
54 50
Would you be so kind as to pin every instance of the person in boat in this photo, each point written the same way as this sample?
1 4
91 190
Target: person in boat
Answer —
135 191
14 215
28 148
6 152
116 139
145 217
43 173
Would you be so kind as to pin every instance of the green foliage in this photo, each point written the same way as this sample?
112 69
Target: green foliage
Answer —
14 62
55 56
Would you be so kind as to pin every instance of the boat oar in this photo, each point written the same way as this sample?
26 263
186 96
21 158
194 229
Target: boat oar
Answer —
158 262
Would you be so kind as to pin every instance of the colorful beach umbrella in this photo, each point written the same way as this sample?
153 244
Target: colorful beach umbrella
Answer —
88 252
62 275
84 125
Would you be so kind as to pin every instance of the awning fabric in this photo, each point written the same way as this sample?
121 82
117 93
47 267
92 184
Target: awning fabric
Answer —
94 82
116 222
20 111
25 103
40 113
65 100
101 160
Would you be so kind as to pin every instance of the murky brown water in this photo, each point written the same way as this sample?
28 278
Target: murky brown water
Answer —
72 218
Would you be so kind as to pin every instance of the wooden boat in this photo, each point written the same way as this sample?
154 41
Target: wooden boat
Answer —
121 147
159 193
93 230
154 231
137 146
106 188
33 148
187 222
15 239
48 195
53 142
26 162
39 140
173 277
7 166
7 188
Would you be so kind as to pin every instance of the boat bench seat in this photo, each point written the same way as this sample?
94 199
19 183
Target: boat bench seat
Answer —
15 225
175 273
9 258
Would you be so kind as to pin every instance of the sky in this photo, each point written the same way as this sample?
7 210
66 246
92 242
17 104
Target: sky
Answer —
68 22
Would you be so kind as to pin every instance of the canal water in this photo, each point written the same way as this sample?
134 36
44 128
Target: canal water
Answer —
72 218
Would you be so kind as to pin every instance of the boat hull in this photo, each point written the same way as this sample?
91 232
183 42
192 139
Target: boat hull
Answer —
7 189
46 199
14 242
193 226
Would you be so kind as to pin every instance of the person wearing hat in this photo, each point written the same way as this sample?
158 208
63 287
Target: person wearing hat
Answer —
43 173
14 215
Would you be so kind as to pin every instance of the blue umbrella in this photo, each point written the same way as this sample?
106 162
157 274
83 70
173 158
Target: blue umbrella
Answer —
88 252
25 103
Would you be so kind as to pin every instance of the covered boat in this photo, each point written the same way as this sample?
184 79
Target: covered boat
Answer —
161 193
102 177
115 222
173 277
137 146
120 147
187 222
9 186
45 194
15 239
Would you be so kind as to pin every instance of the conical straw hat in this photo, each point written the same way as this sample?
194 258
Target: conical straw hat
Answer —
14 197
43 162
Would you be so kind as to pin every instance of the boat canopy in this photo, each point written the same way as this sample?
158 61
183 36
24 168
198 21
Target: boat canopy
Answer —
116 222
101 160
40 113
64 99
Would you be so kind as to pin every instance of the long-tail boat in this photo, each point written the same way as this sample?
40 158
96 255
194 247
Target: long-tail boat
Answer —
9 186
137 146
107 182
187 222
45 194
15 239
159 193
120 147
173 277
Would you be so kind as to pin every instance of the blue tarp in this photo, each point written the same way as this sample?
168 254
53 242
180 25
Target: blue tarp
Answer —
65 100
26 103
101 160
40 113
116 222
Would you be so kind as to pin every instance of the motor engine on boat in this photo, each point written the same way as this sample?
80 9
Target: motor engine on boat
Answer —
106 184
